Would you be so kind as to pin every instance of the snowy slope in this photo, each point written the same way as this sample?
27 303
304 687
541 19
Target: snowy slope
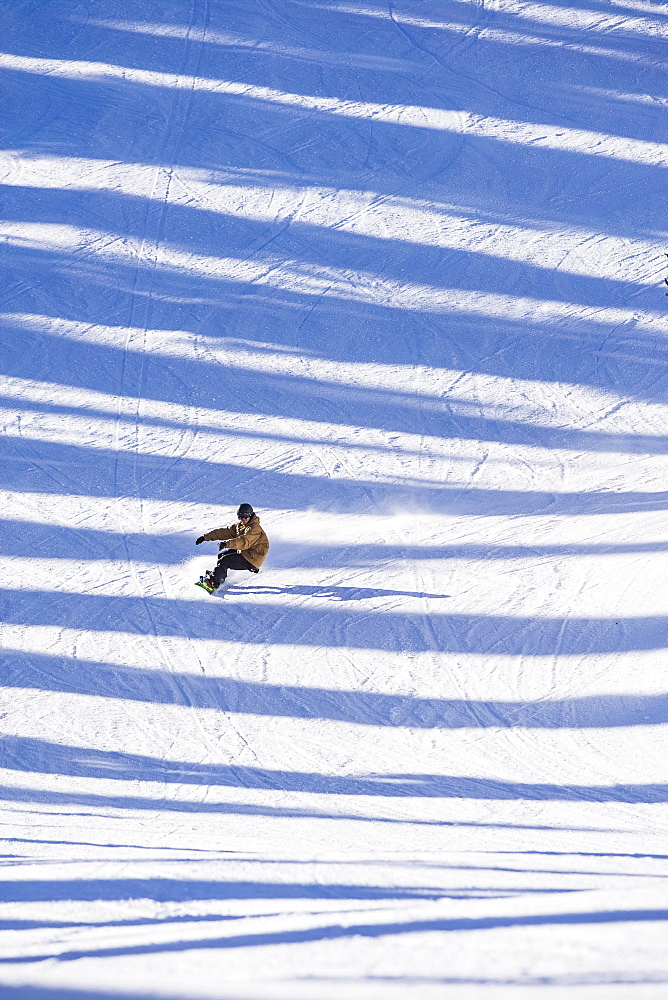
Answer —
392 273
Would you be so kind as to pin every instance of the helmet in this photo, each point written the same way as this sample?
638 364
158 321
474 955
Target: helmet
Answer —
245 510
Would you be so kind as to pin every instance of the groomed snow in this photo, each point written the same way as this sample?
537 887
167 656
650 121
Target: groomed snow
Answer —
392 273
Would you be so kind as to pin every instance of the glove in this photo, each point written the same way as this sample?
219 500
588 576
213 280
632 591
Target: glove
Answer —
198 541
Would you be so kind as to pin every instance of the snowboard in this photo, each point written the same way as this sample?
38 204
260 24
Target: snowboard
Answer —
206 582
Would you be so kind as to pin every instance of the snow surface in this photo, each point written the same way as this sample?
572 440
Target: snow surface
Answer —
392 273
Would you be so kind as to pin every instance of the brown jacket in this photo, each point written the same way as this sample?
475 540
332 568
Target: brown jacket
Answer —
248 539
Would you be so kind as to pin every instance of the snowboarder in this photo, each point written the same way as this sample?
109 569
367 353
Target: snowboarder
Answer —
243 545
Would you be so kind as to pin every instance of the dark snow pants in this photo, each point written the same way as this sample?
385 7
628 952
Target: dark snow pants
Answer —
230 559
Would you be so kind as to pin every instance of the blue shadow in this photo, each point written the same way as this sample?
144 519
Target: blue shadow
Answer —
51 673
391 631
33 755
49 541
45 467
367 930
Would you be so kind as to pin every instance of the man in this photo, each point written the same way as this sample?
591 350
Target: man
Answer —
243 545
